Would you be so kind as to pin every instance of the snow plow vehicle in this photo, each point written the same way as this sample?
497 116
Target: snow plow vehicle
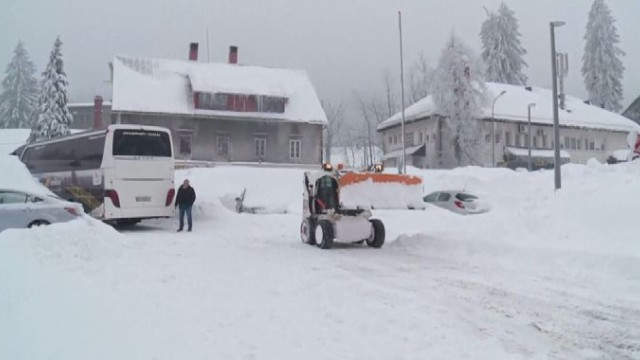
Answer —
325 219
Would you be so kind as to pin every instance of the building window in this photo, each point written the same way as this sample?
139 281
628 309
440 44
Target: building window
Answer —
602 147
579 144
567 143
592 145
395 139
260 148
239 102
421 137
586 144
573 143
507 138
535 141
497 139
224 145
271 104
427 137
210 101
390 139
409 139
517 139
544 141
294 148
487 138
186 139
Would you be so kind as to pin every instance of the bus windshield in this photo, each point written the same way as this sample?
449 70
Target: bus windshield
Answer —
141 143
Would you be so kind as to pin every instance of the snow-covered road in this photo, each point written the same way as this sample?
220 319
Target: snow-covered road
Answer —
241 286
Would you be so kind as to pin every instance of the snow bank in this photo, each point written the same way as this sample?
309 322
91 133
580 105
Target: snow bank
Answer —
545 274
15 176
274 190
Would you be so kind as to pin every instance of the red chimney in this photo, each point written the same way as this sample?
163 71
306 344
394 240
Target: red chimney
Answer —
233 54
193 51
97 112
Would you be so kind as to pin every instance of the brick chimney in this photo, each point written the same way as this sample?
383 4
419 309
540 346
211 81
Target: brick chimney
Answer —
193 51
233 54
97 112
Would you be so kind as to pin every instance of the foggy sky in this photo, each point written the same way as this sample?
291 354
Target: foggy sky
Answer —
345 45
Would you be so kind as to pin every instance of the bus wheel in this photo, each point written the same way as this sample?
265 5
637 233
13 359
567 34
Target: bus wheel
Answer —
127 222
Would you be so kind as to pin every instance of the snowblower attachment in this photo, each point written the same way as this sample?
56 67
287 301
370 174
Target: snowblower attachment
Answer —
378 190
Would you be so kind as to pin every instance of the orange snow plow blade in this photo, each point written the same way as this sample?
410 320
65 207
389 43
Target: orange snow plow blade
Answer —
353 178
381 190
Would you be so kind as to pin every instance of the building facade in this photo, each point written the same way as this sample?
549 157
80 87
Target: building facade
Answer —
222 112
585 132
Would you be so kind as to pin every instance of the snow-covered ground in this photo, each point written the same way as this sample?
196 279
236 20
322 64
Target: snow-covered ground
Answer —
544 275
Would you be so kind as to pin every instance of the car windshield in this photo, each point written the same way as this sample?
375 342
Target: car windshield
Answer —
431 197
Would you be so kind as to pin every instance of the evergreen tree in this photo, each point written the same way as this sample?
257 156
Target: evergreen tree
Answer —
459 94
53 116
502 51
19 97
602 68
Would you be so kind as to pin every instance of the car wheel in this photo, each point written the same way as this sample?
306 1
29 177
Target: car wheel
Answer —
37 223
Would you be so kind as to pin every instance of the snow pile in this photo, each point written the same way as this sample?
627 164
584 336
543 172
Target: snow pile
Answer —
544 274
273 190
15 176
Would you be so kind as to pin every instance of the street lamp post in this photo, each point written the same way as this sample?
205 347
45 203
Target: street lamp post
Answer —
529 128
556 121
404 146
493 129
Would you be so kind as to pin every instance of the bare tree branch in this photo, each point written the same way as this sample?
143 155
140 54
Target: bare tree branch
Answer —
335 115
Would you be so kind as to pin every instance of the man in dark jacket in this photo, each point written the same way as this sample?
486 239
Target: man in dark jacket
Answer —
184 200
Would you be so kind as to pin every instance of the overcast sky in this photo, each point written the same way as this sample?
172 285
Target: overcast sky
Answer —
345 45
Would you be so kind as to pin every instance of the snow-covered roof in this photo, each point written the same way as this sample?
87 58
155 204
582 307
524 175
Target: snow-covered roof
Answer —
165 86
512 106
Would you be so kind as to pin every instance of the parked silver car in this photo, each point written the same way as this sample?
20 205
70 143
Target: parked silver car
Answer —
19 209
457 201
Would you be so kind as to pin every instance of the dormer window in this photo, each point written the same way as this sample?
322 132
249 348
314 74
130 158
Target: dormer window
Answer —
239 102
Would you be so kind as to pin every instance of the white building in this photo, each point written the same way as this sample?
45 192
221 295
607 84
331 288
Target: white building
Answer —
586 131
222 112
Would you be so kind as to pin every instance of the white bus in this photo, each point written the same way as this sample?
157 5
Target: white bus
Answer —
121 174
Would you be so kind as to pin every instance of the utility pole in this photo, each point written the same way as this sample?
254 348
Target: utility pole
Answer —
556 120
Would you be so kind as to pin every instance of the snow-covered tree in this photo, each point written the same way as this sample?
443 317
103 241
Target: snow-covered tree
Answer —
53 116
459 93
601 65
20 91
502 51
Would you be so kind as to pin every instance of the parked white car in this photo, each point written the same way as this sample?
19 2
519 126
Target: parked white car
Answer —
19 209
457 201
